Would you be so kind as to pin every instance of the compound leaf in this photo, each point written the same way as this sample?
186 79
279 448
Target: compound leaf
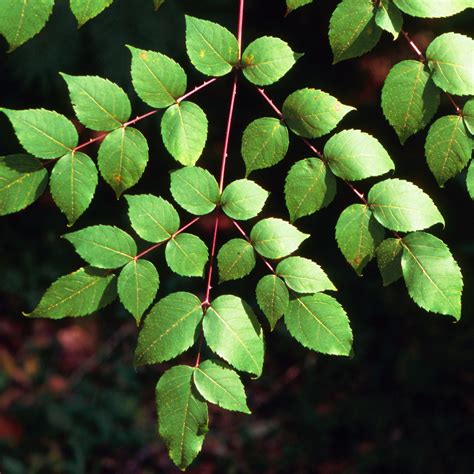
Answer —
389 260
85 11
236 259
431 9
272 298
243 199
389 18
187 255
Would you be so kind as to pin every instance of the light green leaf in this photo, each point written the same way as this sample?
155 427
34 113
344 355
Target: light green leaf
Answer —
450 60
320 323
21 20
22 181
195 189
86 10
358 234
448 148
389 18
470 180
153 218
187 255
409 98
99 104
312 113
309 186
221 386
169 329
264 143
184 132
294 4
352 29
468 115
122 158
401 206
272 298
212 49
236 259
389 260
78 294
43 133
275 238
182 415
355 155
433 9
243 199
232 331
103 246
73 183
431 274
157 79
137 285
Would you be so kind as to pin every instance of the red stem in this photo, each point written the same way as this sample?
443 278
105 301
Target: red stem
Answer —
140 117
197 88
240 26
206 301
90 141
270 103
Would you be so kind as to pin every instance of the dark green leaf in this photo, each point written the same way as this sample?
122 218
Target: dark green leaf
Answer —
389 260
468 115
389 18
470 180
294 4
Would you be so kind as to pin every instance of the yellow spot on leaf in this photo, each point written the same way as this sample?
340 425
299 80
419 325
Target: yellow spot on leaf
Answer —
202 53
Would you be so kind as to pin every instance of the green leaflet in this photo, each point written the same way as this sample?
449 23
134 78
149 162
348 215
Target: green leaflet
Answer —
220 385
304 275
212 49
232 331
431 274
22 181
236 259
389 18
448 147
433 9
169 329
312 113
355 155
320 323
158 3
294 4
468 115
73 183
389 260
43 133
103 246
272 298
78 294
409 98
153 218
309 186
20 21
157 79
137 285
470 180
195 189
450 60
182 415
401 206
267 59
358 234
99 104
187 255
184 132
352 29
86 10
243 199
275 238
122 158
264 143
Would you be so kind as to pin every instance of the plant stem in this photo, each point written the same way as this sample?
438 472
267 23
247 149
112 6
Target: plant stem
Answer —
196 89
140 117
240 26
206 301
270 102
90 141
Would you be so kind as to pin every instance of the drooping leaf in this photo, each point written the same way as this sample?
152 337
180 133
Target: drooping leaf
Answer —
103 246
358 234
73 183
276 238
470 180
43 133
355 155
157 79
195 189
409 98
294 4
170 328
86 10
243 199
389 18
264 143
401 206
236 259
22 181
468 115
309 186
221 386
319 323
184 132
212 49
137 285
272 298
432 9
78 294
182 415
122 158
232 331
312 113
431 274
186 255
389 260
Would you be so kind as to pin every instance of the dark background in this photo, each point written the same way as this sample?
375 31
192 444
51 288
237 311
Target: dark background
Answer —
70 399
